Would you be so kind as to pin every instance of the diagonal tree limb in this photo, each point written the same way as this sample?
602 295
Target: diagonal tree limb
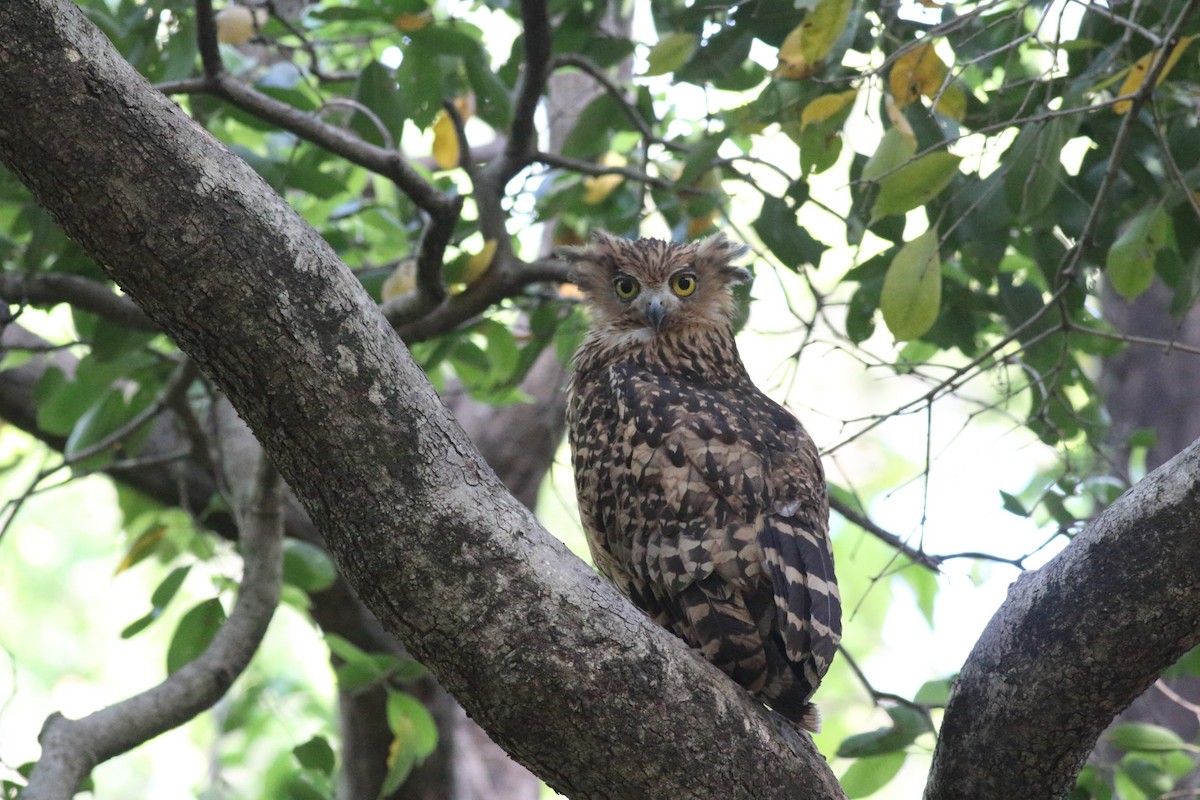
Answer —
551 660
72 748
1075 642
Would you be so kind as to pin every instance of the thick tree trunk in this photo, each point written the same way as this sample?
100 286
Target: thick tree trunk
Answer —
550 659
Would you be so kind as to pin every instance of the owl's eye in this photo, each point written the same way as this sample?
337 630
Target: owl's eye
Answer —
683 284
626 287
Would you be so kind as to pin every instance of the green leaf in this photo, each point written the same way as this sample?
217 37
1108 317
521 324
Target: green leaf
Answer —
1130 261
411 721
195 633
820 146
166 591
58 402
307 566
701 158
721 58
358 668
671 53
1091 785
299 786
868 775
1149 778
1013 504
912 288
492 101
377 90
1034 166
315 754
400 762
419 81
924 585
907 724
935 692
105 416
1142 736
110 340
140 624
784 236
894 149
914 184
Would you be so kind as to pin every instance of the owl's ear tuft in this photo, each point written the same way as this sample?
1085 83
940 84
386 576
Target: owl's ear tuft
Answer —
599 245
737 275
718 251
593 262
719 248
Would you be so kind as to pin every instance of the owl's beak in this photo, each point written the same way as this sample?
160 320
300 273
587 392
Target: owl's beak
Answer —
655 312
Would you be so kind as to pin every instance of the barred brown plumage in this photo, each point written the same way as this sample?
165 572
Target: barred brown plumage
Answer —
703 500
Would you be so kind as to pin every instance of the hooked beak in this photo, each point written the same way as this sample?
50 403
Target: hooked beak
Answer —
655 313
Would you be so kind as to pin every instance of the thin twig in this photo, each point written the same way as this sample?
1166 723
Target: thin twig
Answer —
887 537
877 695
176 385
582 167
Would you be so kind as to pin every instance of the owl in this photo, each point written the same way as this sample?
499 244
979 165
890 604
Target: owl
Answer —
703 500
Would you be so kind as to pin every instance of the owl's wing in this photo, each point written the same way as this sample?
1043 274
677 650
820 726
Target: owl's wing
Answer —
730 487
797 558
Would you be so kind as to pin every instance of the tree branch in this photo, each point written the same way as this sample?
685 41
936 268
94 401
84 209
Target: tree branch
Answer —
72 748
535 21
82 293
545 654
856 517
1028 706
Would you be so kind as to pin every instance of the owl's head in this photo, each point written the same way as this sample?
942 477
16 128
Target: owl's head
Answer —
648 287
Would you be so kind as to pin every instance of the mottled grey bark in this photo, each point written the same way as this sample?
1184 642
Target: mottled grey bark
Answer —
1153 388
1074 643
550 659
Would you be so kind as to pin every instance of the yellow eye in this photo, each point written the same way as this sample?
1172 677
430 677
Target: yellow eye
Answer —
683 284
626 287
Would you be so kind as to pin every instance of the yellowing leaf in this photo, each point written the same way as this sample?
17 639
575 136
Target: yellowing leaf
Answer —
912 288
671 53
897 118
895 148
412 22
402 280
916 72
142 546
597 188
445 141
238 24
810 42
479 262
1137 73
698 226
827 106
914 184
